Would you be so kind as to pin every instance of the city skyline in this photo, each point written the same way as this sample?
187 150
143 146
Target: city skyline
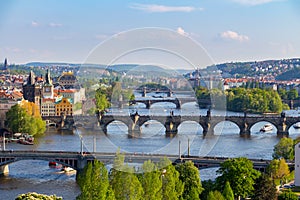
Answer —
228 30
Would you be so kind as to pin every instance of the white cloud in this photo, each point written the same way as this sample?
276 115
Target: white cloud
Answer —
162 8
34 24
55 25
181 31
231 35
253 2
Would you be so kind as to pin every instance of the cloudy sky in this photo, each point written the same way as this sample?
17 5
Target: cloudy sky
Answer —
71 30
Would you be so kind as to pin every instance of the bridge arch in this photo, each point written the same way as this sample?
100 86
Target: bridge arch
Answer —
152 127
189 127
257 125
63 162
231 127
118 124
158 103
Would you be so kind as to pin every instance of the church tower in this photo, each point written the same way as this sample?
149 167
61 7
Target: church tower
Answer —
32 90
48 86
5 64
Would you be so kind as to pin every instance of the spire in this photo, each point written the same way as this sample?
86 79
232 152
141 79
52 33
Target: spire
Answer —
31 78
5 64
48 77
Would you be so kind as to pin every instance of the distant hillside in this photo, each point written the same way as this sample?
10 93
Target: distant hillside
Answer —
289 75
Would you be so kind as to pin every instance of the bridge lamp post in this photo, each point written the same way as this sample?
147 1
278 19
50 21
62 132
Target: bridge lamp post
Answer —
3 138
81 145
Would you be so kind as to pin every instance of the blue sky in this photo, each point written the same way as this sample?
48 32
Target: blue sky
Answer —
71 30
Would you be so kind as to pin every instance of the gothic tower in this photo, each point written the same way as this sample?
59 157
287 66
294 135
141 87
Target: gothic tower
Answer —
32 90
48 86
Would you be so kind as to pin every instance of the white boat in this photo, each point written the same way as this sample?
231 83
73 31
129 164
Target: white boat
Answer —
297 125
266 128
68 170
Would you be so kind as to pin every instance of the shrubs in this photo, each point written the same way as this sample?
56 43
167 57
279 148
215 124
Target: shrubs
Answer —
36 196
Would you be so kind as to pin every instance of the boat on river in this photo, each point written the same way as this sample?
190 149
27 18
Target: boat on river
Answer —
297 125
266 128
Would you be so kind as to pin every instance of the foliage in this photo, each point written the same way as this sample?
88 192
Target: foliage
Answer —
278 169
77 106
124 182
284 149
102 101
243 99
126 185
172 186
189 175
94 182
227 192
36 196
24 120
265 188
253 100
215 195
287 195
151 181
240 174
208 186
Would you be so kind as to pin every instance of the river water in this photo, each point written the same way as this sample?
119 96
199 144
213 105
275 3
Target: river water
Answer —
36 176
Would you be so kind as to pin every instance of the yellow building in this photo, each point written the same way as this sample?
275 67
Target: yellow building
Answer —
64 106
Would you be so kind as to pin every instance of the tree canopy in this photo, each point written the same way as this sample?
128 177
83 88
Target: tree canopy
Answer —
94 182
284 149
253 100
189 175
25 119
265 188
240 174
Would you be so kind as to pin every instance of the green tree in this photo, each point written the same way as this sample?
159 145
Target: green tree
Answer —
240 174
284 149
126 185
151 181
287 195
19 120
102 101
172 186
215 195
227 192
94 182
265 188
123 181
208 186
189 175
278 169
292 94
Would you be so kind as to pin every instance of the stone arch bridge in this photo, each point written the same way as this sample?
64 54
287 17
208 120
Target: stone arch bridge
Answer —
171 123
177 101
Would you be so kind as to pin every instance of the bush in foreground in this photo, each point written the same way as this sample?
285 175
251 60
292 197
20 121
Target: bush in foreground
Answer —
36 196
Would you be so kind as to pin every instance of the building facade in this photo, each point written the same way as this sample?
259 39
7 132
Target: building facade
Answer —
64 106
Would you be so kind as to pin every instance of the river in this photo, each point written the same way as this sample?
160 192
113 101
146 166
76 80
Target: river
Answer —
36 176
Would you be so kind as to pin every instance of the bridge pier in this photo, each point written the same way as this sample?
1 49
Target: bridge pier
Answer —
4 170
171 125
245 130
282 127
